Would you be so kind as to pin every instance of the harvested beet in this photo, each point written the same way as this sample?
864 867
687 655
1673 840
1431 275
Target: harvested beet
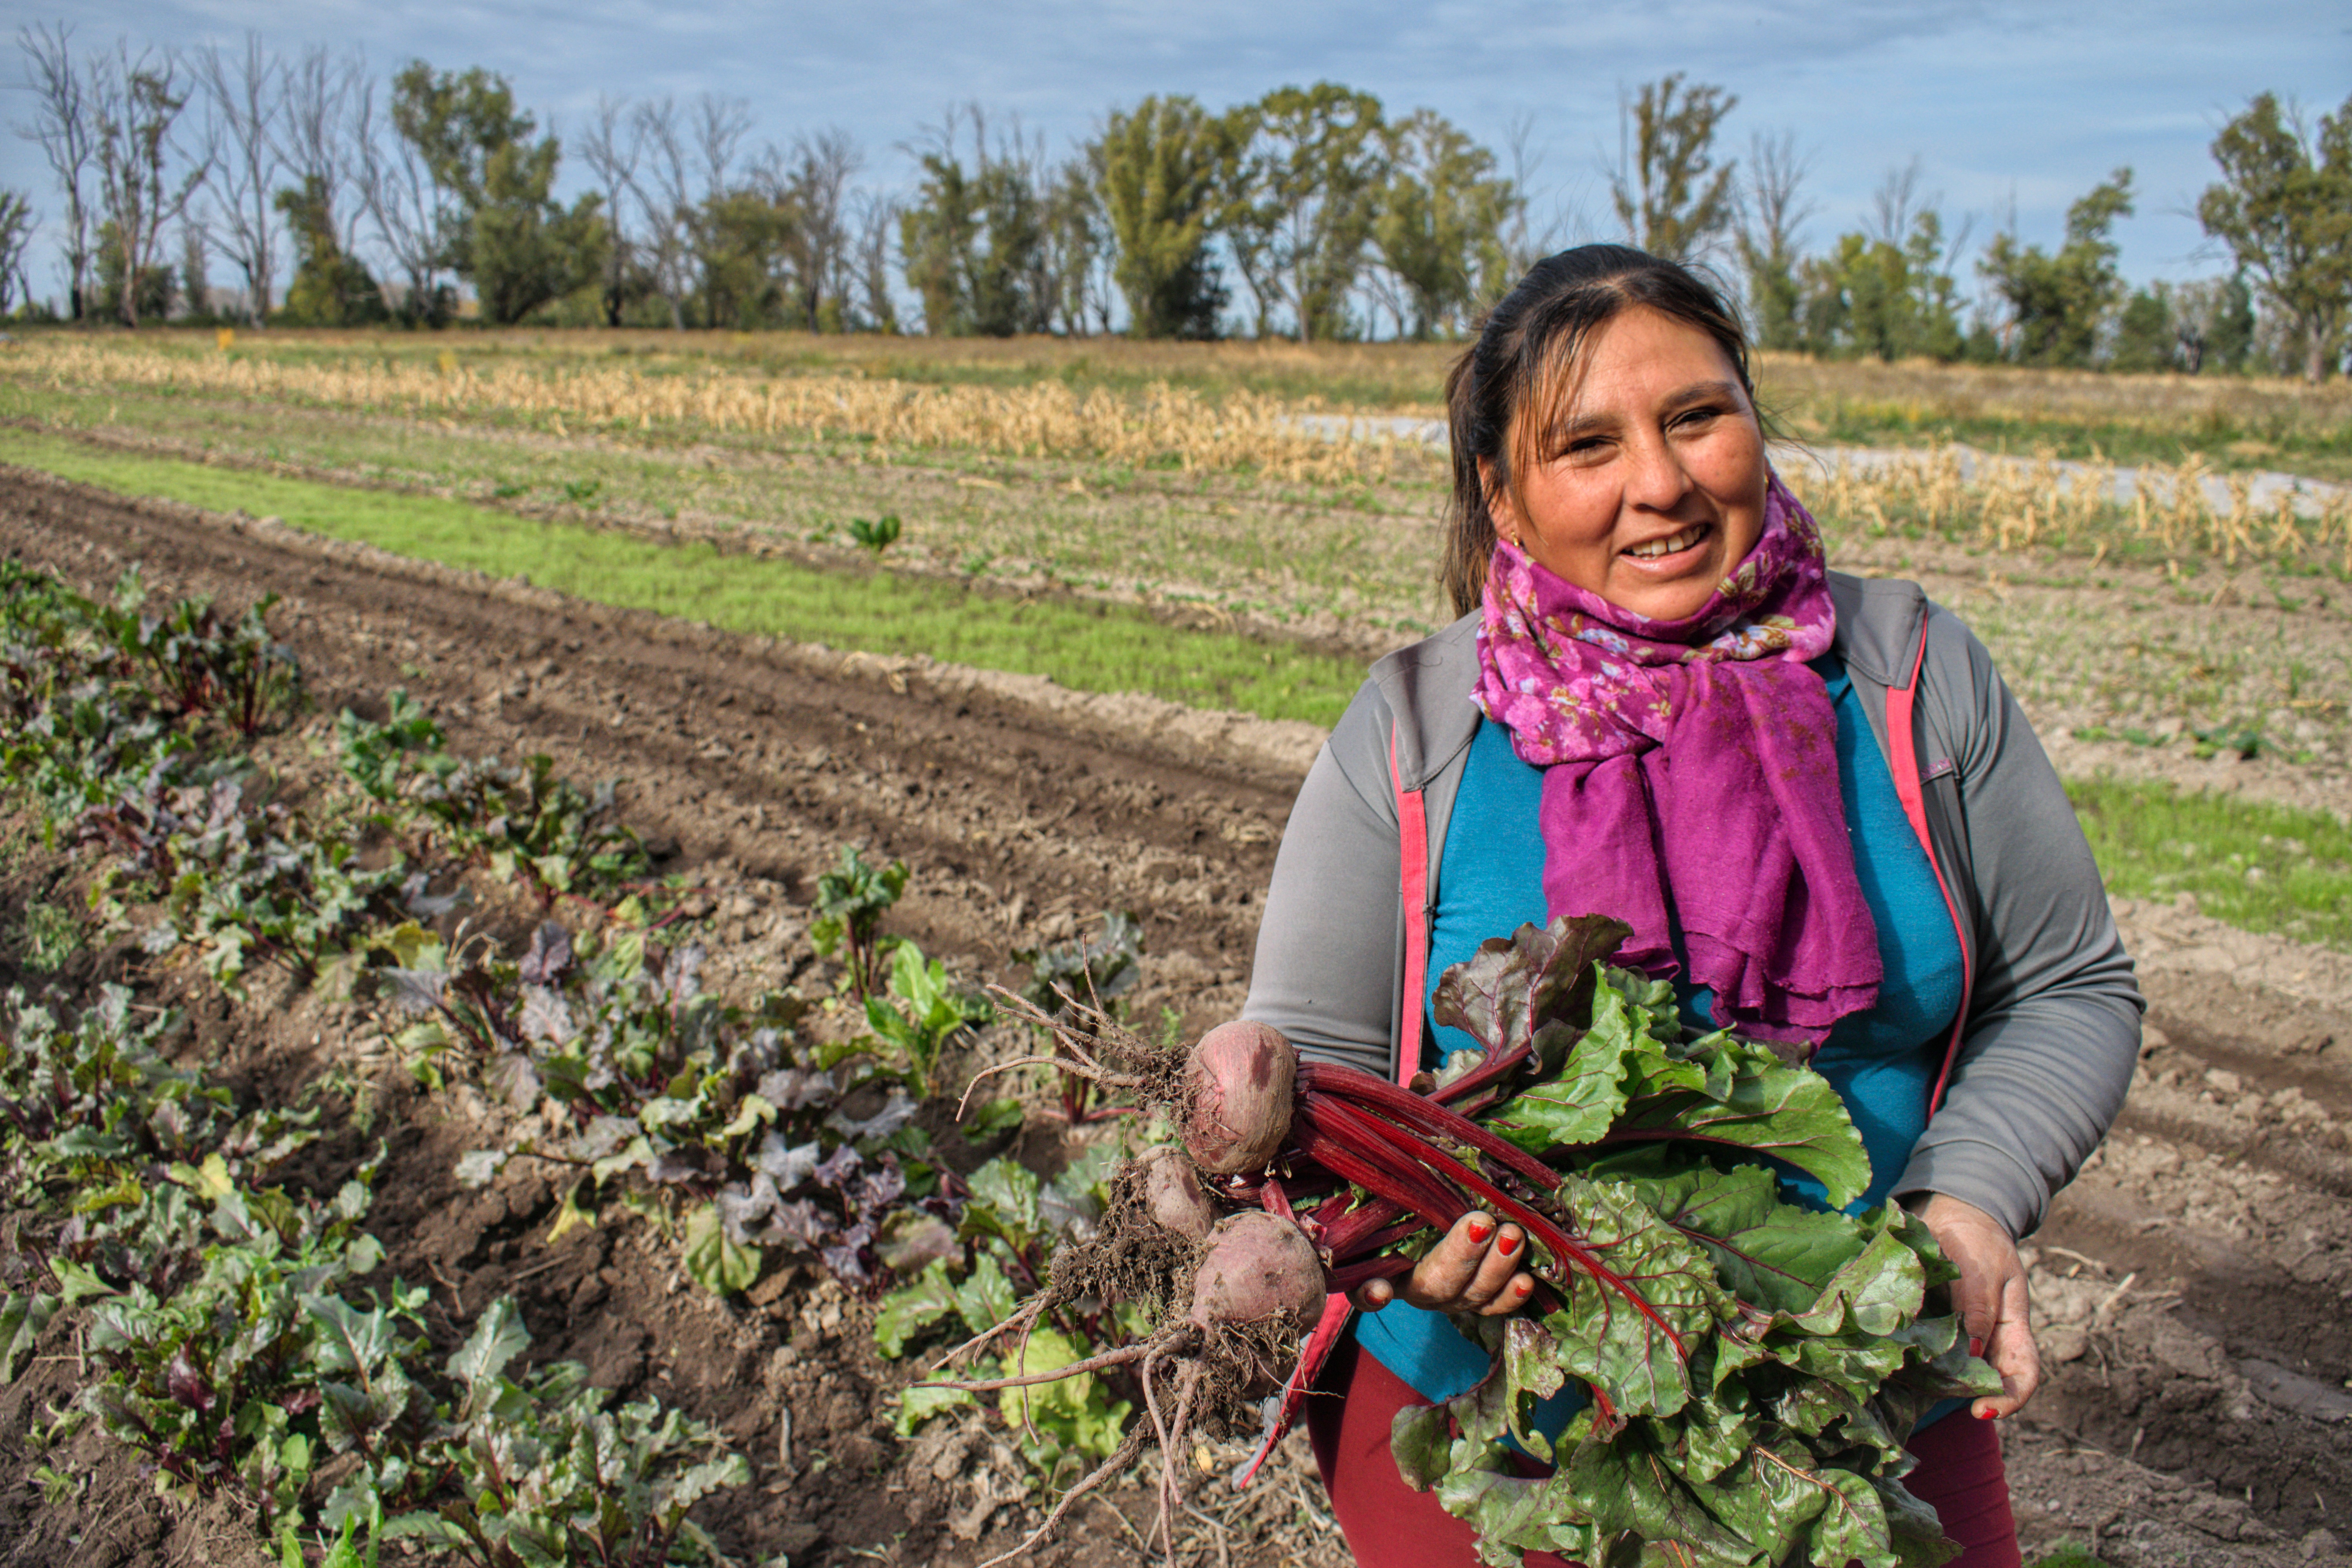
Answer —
1168 1186
1257 1265
1238 1088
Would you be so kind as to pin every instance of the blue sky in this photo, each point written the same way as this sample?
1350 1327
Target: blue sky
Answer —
2006 104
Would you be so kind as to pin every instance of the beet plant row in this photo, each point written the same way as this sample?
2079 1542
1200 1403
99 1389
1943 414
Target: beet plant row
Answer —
238 1351
730 1126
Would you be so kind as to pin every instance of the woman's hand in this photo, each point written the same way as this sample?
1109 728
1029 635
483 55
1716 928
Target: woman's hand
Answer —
1990 1297
1474 1267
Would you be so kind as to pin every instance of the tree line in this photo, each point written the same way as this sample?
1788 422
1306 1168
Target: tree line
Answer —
1312 213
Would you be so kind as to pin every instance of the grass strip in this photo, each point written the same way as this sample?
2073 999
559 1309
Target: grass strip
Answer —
1085 646
2258 867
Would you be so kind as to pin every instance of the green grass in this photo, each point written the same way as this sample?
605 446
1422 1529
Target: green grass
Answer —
1089 647
2257 866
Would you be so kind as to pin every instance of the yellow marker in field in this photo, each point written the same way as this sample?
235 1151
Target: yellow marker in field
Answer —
224 337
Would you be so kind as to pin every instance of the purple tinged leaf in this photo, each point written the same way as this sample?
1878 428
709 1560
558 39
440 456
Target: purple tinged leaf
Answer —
839 1166
417 990
550 956
185 1384
794 1089
1515 984
677 1165
546 1015
788 1165
893 1115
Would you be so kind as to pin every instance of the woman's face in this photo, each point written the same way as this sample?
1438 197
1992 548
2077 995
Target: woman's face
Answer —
1651 487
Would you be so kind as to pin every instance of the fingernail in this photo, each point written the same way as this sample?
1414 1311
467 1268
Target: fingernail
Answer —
1976 1346
1479 1230
1507 1245
1524 1286
1984 1416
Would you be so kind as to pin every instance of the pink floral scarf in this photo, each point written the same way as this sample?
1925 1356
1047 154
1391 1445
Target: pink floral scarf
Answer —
1691 775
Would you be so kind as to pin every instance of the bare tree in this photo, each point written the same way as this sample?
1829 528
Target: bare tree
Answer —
67 132
243 99
1772 213
325 102
17 222
404 199
876 220
613 145
665 194
134 104
1669 194
816 184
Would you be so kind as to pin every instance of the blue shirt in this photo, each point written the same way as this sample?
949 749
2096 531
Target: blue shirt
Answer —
1882 1062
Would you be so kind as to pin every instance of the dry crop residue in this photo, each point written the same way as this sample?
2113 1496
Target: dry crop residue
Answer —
2192 1289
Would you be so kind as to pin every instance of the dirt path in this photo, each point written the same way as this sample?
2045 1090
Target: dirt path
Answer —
2195 1286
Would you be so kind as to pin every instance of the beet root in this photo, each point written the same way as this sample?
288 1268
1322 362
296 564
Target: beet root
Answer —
1172 1194
1257 1265
1238 1087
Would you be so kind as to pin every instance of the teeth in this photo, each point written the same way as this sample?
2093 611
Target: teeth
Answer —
1683 541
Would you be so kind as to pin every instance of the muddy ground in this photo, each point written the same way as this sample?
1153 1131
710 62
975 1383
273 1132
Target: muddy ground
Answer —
2195 1286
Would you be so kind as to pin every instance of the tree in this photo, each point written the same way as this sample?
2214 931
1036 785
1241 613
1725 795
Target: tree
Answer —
2213 322
974 237
1160 166
18 221
2284 207
612 147
2144 338
874 220
330 288
1300 210
330 109
504 232
1441 221
134 104
813 184
243 99
1074 257
1671 199
404 197
2058 303
67 132
1771 212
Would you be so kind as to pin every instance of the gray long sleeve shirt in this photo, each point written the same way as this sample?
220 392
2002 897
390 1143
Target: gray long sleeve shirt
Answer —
2051 1027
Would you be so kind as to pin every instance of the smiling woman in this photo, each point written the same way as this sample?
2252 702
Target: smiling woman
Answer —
1810 797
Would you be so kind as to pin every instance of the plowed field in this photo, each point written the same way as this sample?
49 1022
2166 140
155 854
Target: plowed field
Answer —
2196 1284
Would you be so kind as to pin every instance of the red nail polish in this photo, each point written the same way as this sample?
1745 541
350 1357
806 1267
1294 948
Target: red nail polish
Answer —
1507 1245
1525 1285
1984 1416
1976 1347
1478 1231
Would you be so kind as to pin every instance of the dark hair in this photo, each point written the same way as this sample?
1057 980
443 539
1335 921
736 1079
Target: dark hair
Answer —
1526 361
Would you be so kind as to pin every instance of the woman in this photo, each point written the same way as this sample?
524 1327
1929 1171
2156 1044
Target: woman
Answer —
1810 796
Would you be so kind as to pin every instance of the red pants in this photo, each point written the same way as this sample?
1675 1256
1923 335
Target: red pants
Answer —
1390 1525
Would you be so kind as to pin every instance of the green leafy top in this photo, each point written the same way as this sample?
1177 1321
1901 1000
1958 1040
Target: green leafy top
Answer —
1774 1431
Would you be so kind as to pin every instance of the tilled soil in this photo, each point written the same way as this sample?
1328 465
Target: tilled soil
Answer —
2194 1287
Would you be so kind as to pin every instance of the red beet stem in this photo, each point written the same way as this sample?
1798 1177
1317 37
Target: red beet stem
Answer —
1370 1165
1427 1117
1345 1120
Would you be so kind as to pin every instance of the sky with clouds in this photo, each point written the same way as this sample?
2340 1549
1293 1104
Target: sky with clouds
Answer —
2010 105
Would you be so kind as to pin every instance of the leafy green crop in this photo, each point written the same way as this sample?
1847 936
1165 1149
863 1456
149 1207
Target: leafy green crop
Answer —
851 900
1003 1244
521 821
1755 1366
920 1012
